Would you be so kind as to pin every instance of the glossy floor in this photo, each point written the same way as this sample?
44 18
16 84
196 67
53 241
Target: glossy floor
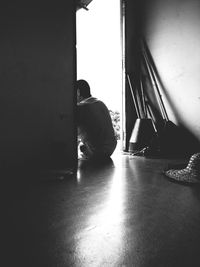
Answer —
120 213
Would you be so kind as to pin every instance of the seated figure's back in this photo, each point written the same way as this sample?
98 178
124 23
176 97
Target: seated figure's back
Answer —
95 126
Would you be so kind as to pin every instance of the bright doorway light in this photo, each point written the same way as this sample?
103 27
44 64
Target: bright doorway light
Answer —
99 59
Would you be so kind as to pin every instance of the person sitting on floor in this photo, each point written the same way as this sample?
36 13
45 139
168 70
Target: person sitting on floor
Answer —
95 129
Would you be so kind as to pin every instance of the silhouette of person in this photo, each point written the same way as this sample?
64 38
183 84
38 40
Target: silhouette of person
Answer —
96 134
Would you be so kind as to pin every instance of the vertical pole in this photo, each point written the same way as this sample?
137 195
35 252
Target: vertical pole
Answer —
133 96
123 37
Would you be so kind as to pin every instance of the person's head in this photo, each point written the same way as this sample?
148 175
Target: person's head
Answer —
83 90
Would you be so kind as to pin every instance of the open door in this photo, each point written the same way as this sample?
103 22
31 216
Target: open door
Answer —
99 55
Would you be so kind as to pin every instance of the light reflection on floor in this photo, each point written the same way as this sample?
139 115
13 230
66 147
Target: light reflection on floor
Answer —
78 176
101 242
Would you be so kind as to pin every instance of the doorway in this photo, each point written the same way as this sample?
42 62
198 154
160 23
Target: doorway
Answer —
99 55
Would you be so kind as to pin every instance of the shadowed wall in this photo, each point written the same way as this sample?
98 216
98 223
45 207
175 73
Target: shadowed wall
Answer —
173 36
37 73
171 30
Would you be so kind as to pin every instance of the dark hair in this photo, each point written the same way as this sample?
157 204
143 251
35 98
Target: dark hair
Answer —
84 88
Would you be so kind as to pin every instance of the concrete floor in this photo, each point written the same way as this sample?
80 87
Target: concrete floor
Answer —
121 213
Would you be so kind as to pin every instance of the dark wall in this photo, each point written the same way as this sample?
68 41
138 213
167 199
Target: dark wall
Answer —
133 27
37 74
